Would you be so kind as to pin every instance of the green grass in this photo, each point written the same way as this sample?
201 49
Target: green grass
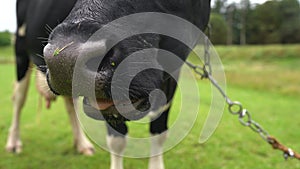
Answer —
6 54
264 78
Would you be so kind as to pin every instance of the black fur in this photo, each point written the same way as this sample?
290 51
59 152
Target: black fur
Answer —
88 16
38 15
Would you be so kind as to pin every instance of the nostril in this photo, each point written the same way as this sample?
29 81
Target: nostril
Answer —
43 68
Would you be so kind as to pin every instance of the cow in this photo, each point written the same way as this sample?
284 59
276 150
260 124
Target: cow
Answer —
70 41
33 19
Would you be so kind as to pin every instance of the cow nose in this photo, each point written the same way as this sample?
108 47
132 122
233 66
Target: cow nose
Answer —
68 62
60 62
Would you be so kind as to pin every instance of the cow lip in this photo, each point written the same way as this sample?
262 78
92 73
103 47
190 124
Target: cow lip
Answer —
112 112
104 104
101 104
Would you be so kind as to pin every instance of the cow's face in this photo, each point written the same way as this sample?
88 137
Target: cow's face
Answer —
103 72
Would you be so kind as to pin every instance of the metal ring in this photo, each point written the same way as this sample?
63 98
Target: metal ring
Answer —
233 105
244 114
256 127
263 134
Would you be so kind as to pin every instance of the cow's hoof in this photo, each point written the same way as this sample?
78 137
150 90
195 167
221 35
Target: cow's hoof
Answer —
14 147
85 147
87 151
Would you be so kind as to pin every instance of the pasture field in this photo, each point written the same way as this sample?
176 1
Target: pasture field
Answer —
266 79
6 54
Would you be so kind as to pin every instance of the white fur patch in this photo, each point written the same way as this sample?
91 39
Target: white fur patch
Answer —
82 143
14 143
116 146
22 30
154 114
156 159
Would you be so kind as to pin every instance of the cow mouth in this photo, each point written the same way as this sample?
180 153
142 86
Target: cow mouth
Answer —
108 110
101 104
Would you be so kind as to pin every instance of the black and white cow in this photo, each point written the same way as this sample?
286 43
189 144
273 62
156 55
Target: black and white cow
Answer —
68 42
33 16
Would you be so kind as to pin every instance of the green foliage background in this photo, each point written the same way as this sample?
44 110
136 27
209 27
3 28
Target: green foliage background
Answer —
273 22
5 38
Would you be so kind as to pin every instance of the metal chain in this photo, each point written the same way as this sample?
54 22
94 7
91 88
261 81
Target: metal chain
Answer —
236 108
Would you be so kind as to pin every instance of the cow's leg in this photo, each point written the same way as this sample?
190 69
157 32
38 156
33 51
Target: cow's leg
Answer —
14 143
116 142
158 129
81 142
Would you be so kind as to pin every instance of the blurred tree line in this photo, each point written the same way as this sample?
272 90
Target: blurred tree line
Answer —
5 38
276 21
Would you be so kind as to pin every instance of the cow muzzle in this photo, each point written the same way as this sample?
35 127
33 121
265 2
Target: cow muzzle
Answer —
66 61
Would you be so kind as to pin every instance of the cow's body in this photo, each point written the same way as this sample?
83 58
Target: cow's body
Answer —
33 17
69 39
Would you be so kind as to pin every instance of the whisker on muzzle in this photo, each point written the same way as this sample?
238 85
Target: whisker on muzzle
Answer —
48 29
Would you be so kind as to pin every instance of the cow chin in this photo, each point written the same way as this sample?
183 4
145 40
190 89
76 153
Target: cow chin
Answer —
119 111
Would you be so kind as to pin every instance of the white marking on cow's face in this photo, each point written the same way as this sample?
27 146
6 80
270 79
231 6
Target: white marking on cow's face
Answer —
116 146
156 160
22 30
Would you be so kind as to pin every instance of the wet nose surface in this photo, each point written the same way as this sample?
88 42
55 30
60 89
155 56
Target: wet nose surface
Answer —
68 72
60 68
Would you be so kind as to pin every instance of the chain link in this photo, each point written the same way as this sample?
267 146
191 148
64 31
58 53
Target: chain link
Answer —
235 107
